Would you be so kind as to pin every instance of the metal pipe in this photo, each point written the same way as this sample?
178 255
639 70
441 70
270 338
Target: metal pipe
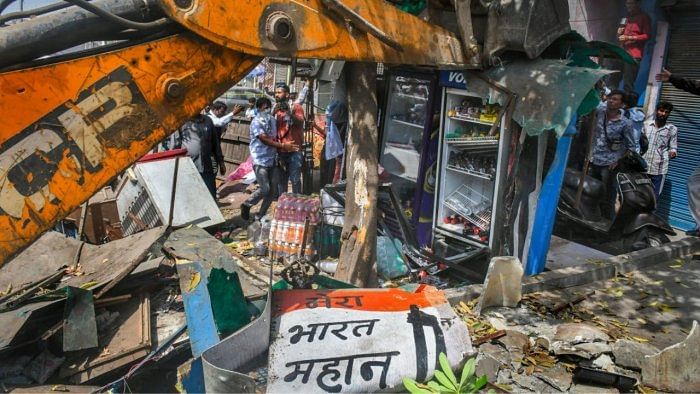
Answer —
66 28
172 192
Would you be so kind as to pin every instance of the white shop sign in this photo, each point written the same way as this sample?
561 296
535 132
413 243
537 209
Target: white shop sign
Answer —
360 340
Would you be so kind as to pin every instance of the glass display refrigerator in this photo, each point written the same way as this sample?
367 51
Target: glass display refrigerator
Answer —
405 121
470 161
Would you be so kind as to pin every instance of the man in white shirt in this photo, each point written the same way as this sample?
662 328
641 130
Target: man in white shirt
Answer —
220 118
663 145
251 111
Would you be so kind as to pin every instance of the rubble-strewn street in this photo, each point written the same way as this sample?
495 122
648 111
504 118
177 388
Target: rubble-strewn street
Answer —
324 196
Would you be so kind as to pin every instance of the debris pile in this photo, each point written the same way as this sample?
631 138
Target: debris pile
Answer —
579 342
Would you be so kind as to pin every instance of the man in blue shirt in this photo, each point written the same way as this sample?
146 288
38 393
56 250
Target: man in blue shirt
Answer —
613 137
263 150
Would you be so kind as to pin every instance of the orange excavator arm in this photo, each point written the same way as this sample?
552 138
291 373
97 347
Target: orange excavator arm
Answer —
68 128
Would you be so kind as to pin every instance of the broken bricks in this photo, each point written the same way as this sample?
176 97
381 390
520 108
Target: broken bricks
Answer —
630 354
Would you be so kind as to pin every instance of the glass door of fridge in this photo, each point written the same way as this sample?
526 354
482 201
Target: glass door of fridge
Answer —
468 166
404 124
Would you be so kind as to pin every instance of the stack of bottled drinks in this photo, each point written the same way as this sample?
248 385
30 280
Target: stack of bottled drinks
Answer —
287 235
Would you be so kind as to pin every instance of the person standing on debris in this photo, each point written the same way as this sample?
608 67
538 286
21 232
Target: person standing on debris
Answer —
290 130
613 138
220 118
663 145
203 147
633 34
691 86
264 149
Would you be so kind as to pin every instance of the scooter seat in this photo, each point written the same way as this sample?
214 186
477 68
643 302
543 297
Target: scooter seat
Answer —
592 187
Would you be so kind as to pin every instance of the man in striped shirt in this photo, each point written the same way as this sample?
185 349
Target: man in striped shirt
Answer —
663 145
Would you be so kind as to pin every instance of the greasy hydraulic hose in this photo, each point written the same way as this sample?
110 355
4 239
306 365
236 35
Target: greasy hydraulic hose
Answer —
66 28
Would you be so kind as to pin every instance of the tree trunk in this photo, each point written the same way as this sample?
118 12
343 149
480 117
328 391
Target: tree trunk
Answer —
359 236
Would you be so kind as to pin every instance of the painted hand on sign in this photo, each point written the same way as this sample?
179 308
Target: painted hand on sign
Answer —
361 340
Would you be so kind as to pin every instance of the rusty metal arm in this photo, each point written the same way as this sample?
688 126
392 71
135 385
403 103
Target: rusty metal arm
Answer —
67 129
361 23
377 32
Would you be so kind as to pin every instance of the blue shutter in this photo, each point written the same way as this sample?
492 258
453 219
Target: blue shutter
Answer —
683 59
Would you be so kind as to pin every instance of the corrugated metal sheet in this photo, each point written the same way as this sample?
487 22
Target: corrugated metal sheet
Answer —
683 59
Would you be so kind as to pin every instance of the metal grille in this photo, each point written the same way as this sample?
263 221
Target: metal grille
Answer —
142 215
683 59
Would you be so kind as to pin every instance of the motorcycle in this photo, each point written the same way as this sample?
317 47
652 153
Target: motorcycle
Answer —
635 225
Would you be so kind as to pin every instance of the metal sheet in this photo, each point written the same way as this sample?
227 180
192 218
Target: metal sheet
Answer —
683 59
193 203
549 92
79 328
223 363
50 252
103 263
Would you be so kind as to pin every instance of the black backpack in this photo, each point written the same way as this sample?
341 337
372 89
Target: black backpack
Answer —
643 143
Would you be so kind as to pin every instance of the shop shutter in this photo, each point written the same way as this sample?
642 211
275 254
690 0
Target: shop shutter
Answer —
683 59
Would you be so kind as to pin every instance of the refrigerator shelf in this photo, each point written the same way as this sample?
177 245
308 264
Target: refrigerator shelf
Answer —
419 126
470 172
473 141
471 120
471 205
411 96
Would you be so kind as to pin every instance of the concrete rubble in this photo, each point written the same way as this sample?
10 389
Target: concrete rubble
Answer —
630 354
589 347
499 290
675 368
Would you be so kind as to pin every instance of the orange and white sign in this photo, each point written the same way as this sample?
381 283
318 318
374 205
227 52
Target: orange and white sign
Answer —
361 340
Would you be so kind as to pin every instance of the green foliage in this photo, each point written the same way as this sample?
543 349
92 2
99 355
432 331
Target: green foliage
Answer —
446 382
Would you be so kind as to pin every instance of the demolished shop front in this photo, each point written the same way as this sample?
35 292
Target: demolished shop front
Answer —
482 154
444 150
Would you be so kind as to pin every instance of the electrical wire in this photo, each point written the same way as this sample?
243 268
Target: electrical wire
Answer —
34 12
4 4
126 23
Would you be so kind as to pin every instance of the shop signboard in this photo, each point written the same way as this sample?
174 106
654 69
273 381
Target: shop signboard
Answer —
453 79
361 340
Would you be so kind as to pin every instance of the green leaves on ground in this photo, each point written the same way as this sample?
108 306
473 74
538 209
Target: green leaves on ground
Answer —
446 382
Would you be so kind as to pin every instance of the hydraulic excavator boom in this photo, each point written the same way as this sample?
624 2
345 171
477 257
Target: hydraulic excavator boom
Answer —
69 125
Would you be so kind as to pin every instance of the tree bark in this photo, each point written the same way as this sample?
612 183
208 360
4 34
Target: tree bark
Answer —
359 236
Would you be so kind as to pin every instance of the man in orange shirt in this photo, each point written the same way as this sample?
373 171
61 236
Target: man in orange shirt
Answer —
633 36
290 130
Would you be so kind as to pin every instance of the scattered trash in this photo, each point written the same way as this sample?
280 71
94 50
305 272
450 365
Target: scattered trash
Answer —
591 375
390 263
43 366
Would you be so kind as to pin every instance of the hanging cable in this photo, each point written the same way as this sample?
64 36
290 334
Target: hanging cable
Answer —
37 11
126 23
4 4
